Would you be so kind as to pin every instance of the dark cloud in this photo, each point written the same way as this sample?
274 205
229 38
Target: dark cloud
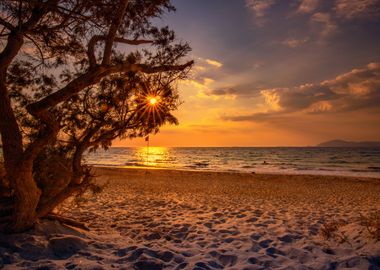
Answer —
255 117
226 91
240 91
302 97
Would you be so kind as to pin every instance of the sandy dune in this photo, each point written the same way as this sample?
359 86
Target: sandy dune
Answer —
162 219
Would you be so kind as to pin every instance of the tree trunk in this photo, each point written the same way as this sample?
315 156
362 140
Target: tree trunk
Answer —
27 196
19 172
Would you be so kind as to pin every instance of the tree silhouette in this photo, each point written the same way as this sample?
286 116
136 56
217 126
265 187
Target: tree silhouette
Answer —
75 75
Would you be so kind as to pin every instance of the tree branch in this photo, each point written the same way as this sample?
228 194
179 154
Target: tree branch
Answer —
91 51
95 39
81 147
48 135
37 13
78 84
7 24
38 48
40 108
147 69
94 76
133 41
112 32
112 134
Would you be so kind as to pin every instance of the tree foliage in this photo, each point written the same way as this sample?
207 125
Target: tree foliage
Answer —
74 76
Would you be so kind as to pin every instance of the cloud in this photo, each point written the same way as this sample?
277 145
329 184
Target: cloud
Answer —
203 83
259 8
307 6
329 27
255 117
205 69
294 43
355 90
351 9
301 97
272 99
226 91
214 63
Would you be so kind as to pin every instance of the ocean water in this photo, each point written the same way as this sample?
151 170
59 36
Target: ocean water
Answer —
286 160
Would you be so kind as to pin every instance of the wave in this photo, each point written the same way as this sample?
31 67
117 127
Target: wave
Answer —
202 164
247 167
353 162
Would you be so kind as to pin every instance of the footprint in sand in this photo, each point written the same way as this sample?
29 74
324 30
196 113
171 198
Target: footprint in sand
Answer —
165 256
253 260
214 253
202 244
187 254
273 252
152 236
122 252
215 265
258 213
229 240
288 238
208 225
181 266
148 265
135 254
201 266
256 236
228 260
217 215
253 219
265 243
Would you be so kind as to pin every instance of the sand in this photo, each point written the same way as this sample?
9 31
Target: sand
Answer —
163 219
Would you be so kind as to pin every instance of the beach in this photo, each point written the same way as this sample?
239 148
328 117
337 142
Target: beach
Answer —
177 219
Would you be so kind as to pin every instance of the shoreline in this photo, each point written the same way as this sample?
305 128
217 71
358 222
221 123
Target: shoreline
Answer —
273 173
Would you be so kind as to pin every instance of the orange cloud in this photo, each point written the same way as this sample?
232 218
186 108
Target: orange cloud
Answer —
214 63
349 9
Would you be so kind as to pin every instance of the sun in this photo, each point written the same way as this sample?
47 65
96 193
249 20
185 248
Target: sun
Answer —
152 101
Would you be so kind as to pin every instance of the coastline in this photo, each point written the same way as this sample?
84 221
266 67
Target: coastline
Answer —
343 174
356 162
171 219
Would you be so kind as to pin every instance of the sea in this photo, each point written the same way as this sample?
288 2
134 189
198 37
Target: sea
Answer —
355 161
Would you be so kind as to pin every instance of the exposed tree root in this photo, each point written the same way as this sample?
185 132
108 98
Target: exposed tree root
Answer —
67 221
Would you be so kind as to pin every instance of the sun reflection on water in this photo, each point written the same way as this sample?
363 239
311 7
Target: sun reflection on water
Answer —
153 156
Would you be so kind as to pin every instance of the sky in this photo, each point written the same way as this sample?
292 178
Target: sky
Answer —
276 73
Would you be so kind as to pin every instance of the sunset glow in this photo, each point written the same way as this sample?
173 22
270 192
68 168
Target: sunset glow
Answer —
152 101
152 156
276 73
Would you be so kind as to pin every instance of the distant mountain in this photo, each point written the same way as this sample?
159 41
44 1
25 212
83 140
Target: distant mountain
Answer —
341 143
